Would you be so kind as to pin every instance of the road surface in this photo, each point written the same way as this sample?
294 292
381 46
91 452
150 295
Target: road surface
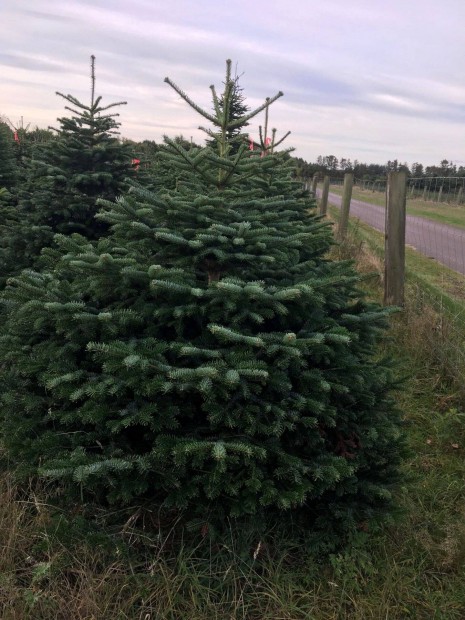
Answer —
444 243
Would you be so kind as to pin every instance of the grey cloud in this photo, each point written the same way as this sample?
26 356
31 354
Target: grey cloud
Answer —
332 60
23 61
48 16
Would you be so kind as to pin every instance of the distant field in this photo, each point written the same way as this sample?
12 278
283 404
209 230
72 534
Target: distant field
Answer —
454 215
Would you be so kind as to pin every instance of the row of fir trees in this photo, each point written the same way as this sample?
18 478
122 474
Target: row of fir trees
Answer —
54 189
189 343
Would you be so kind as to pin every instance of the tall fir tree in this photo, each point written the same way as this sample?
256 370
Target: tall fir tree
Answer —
207 354
67 175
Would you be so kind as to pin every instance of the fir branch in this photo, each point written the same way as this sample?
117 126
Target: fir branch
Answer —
111 105
228 90
229 335
74 101
241 121
73 111
193 105
275 144
95 105
209 132
194 162
216 103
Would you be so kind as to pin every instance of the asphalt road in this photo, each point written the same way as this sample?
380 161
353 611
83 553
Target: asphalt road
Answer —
444 243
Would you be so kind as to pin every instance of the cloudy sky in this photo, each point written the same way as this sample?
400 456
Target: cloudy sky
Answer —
363 79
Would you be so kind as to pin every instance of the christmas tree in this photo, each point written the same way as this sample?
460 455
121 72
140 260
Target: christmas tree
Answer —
67 175
205 355
28 142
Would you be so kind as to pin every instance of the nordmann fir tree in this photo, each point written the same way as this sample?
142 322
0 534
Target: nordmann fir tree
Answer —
67 175
28 142
206 355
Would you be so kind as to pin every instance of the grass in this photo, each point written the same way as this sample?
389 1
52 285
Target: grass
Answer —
53 566
453 215
446 283
414 569
432 290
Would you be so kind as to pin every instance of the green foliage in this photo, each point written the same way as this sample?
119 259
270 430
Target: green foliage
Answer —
28 142
414 568
206 354
235 107
65 177
9 186
8 170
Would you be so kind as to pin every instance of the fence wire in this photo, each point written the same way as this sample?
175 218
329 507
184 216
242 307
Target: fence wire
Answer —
435 289
450 190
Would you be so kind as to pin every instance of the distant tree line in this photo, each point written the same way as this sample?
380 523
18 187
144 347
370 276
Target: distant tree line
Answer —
336 168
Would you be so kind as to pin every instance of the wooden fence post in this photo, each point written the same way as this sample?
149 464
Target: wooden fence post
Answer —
394 249
345 205
315 183
324 196
459 197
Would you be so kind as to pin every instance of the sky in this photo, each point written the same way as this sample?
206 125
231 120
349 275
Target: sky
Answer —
370 80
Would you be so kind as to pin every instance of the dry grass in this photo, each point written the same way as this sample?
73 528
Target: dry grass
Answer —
430 330
414 569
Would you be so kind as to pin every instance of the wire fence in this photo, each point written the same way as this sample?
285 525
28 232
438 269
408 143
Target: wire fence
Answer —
435 259
434 231
450 190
